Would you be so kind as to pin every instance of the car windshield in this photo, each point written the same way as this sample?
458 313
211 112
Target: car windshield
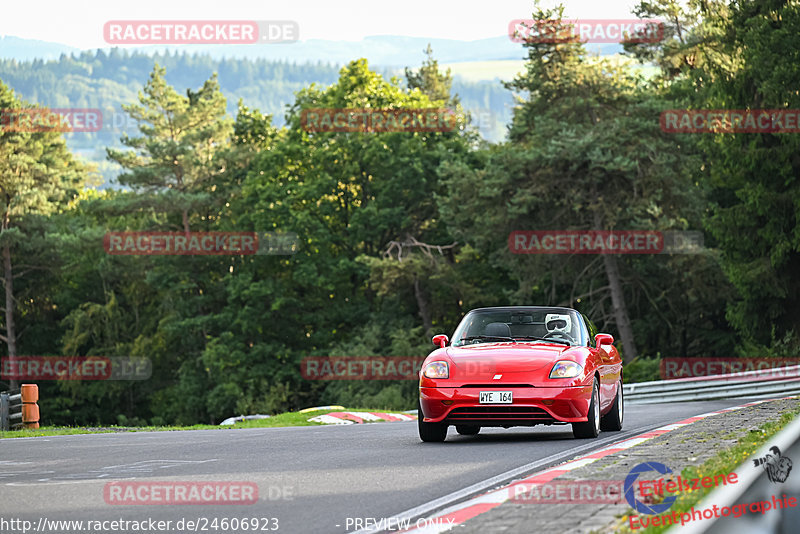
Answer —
530 325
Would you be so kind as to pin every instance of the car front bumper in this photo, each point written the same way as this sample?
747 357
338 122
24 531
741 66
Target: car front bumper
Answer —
531 406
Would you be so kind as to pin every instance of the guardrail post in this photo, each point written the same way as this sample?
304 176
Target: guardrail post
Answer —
4 412
14 410
30 410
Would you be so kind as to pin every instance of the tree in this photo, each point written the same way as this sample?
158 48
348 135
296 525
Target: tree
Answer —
178 151
393 273
38 177
757 189
742 55
431 81
585 152
347 195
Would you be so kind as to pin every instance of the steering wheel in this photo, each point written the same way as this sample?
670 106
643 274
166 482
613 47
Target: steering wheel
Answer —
561 335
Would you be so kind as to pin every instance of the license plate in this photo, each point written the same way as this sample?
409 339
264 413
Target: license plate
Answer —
495 397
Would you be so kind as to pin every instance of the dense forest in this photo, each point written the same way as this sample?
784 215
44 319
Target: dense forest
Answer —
585 150
106 80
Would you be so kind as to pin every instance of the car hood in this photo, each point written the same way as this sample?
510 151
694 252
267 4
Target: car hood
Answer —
486 360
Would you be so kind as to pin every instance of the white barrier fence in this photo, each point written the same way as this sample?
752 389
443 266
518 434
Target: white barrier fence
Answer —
752 384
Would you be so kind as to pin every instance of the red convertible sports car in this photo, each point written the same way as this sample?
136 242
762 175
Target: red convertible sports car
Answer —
521 366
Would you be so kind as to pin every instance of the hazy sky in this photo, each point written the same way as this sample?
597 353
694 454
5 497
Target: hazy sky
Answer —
79 23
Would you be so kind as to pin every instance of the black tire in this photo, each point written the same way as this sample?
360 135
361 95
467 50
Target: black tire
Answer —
613 419
430 432
468 430
590 428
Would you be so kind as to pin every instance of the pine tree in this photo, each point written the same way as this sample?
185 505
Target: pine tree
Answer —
182 137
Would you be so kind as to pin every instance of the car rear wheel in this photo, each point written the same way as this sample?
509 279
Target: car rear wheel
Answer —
467 430
435 432
591 428
613 419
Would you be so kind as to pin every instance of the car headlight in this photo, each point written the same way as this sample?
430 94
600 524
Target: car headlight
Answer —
437 370
566 369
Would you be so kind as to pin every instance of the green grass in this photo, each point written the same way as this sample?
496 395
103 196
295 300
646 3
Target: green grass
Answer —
724 462
280 420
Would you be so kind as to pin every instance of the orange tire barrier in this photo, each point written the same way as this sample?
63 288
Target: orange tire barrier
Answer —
30 410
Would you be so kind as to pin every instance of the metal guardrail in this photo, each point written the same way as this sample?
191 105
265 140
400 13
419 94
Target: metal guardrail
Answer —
753 384
18 409
754 486
10 409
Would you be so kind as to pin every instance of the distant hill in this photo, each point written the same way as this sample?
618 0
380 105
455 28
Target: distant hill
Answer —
29 49
384 50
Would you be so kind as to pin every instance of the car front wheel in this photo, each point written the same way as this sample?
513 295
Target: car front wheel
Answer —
591 428
613 419
430 432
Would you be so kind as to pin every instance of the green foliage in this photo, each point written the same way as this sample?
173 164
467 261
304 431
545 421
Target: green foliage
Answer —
586 152
429 80
741 55
182 138
107 80
38 178
643 369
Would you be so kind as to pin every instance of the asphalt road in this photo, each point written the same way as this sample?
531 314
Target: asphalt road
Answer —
311 479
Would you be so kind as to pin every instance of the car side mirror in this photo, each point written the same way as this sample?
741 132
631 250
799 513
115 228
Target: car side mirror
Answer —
440 340
603 339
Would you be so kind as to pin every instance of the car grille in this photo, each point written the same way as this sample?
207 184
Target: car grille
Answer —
500 414
495 386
